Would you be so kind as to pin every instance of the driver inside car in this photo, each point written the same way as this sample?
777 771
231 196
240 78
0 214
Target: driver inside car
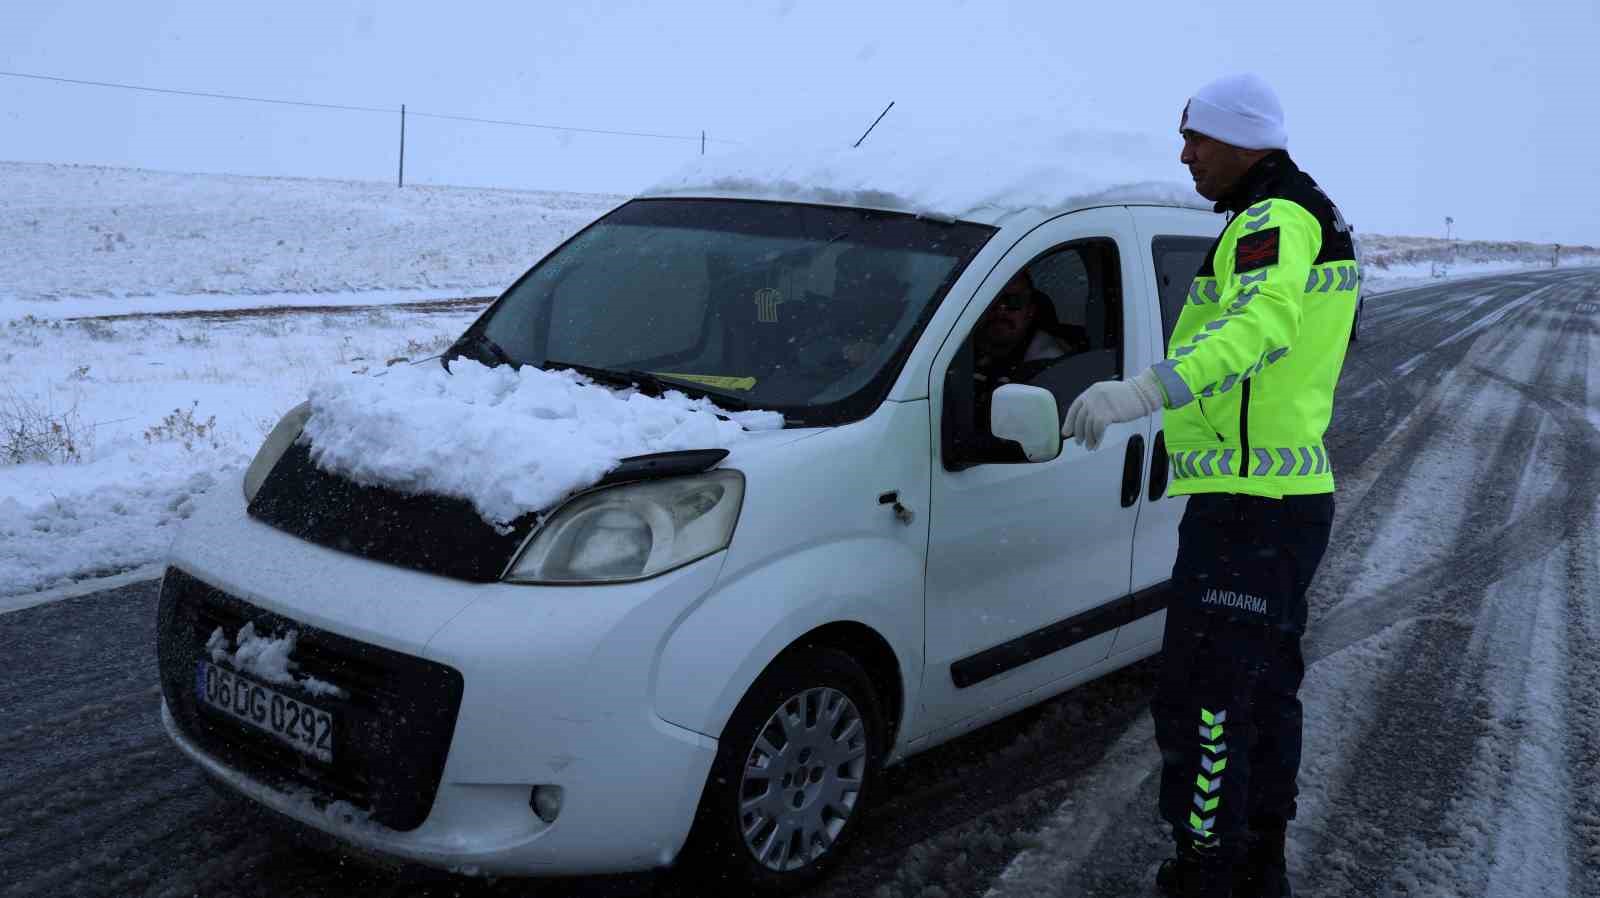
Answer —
1017 337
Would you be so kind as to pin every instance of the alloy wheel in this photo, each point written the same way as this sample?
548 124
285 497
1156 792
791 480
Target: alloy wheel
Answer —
802 779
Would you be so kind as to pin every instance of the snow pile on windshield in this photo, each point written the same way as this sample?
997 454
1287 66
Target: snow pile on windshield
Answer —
510 441
266 657
1018 165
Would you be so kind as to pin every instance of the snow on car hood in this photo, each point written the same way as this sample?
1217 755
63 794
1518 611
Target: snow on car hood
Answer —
510 441
999 167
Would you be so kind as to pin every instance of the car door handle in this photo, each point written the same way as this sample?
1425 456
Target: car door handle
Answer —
901 513
1159 467
1133 470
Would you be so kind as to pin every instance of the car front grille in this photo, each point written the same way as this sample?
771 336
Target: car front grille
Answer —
394 722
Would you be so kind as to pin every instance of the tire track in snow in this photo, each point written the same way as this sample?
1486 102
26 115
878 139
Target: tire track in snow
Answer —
1122 862
1435 690
190 847
1583 640
49 858
1515 823
1583 698
1365 505
1368 510
90 718
91 729
1385 363
1392 783
1516 543
41 800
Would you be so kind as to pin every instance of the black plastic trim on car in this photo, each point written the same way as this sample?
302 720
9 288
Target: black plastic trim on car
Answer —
664 464
436 534
1132 470
393 725
1158 467
1148 601
1062 634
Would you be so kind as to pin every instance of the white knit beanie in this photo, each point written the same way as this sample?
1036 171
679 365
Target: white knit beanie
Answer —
1240 110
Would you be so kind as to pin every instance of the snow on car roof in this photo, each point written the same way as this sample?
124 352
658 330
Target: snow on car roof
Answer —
978 175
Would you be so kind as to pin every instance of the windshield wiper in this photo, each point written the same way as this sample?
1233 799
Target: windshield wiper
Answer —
479 342
643 380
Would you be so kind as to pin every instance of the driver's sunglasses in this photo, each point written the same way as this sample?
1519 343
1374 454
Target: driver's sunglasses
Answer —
1011 302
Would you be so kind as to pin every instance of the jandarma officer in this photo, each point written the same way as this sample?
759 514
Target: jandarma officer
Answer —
1247 387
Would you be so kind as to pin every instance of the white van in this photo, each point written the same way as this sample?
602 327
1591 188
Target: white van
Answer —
709 652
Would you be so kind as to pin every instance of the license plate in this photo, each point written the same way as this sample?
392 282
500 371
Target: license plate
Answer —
305 728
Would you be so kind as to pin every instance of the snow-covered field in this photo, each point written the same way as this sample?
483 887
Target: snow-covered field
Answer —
150 411
1390 263
110 426
140 240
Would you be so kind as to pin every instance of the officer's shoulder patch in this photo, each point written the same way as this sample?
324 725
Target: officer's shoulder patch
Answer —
1256 250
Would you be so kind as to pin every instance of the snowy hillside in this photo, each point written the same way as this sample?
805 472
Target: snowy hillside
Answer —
75 231
1390 262
94 233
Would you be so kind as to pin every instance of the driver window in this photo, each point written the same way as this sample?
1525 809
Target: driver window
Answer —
1055 323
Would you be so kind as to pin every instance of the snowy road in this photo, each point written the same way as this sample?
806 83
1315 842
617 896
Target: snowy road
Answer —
1452 698
1452 721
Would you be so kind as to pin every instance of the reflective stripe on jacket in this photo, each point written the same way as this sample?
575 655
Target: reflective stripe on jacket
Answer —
1256 353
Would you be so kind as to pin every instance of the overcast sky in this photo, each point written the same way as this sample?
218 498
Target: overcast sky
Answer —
1406 112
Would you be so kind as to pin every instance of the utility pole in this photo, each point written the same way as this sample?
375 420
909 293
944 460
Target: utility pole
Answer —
702 141
402 182
1448 221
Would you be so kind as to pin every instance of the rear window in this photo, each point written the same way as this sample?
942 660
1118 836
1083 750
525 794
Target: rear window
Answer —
1177 261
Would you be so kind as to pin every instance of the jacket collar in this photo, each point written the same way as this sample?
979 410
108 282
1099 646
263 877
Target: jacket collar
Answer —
1258 182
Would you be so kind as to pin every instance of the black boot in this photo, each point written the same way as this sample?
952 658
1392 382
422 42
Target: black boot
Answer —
1196 872
1263 872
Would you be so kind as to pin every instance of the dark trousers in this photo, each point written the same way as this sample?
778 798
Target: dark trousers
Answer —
1227 707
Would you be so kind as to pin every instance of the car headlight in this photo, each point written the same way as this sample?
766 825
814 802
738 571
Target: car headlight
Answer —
273 448
633 531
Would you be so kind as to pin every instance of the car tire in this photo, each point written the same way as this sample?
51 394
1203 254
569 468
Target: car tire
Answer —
1355 326
820 704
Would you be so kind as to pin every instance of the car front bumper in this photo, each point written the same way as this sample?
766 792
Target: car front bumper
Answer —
556 689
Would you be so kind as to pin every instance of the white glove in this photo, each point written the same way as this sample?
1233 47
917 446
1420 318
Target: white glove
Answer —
1112 402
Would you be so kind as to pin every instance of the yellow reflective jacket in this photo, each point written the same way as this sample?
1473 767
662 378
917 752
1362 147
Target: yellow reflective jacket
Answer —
1256 353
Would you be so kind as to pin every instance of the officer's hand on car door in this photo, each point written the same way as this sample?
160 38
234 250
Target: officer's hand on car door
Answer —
1111 402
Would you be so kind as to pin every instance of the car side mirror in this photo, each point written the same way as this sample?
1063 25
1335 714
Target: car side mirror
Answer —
1029 416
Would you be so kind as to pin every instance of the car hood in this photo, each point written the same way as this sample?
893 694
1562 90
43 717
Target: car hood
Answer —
763 442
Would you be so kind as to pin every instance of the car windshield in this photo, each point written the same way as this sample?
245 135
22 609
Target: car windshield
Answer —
806 310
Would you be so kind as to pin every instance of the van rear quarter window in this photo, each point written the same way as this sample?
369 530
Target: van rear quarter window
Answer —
1177 261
